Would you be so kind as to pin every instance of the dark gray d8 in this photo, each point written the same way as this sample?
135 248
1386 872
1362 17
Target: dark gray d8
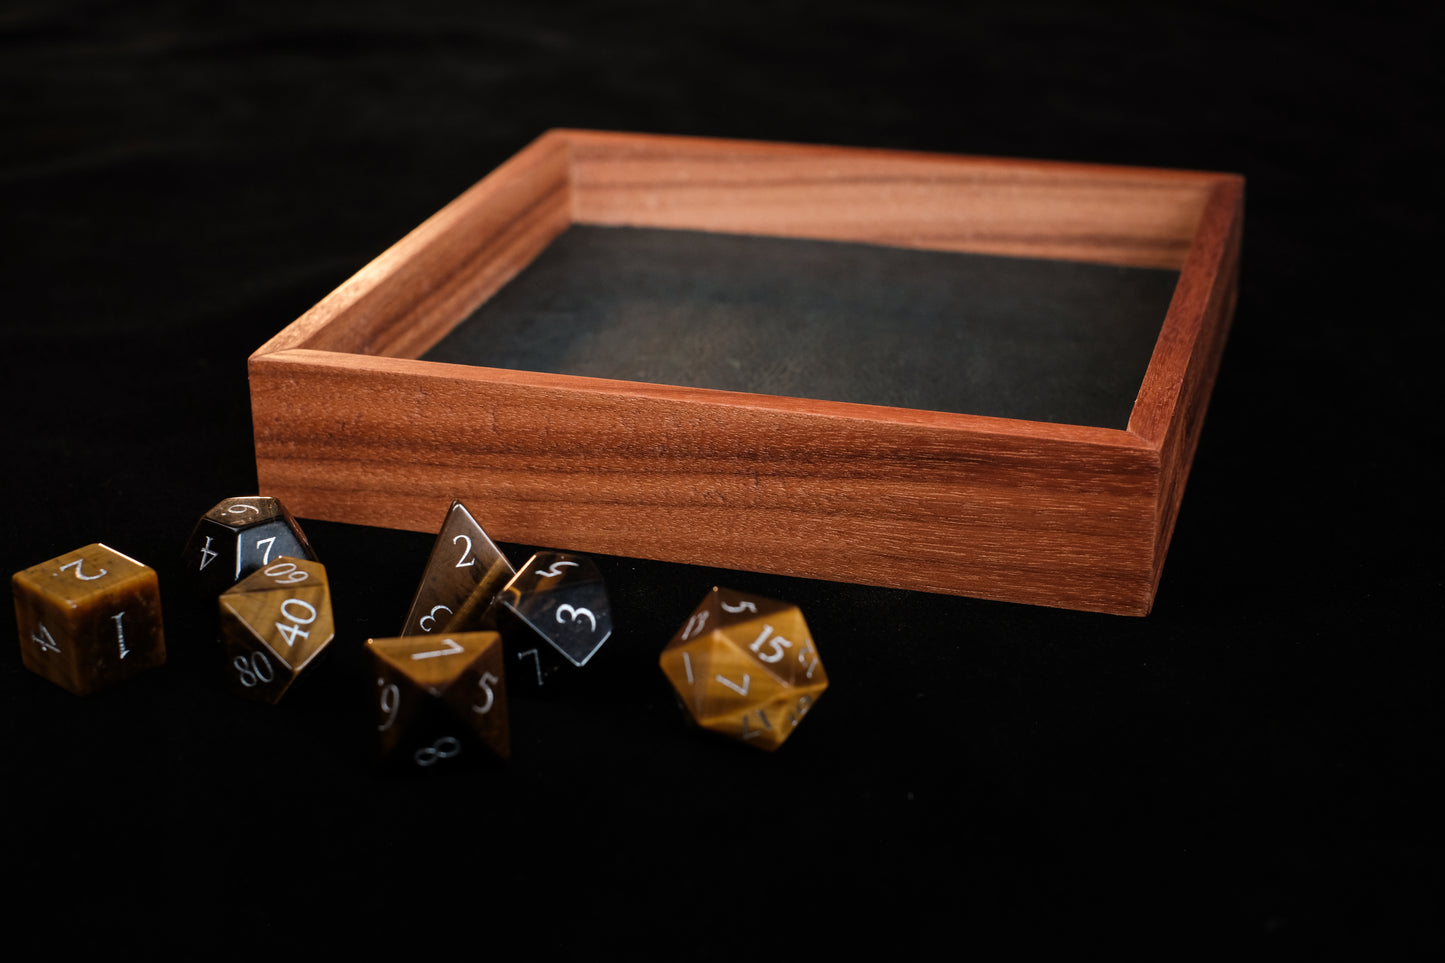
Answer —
554 616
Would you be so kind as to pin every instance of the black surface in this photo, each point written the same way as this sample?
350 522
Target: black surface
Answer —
1250 769
1024 338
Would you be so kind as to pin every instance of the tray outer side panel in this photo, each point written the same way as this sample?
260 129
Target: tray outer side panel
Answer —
1043 514
1169 411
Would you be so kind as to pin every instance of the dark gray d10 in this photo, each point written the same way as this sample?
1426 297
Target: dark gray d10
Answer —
239 536
554 617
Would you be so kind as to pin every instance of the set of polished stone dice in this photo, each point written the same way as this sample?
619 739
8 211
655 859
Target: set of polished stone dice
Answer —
741 665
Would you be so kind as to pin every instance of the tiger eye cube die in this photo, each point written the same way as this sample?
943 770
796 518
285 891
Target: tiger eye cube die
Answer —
89 619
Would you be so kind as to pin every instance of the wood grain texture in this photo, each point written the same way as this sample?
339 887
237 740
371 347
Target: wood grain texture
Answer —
402 303
1133 216
1021 511
948 503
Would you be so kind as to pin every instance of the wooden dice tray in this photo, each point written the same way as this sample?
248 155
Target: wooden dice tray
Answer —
356 422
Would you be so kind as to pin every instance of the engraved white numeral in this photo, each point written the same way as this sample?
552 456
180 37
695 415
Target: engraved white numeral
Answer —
208 554
743 606
44 639
485 683
687 667
255 670
390 701
307 616
449 647
533 653
465 562
777 643
78 573
751 733
286 573
576 615
432 617
239 509
443 748
694 625
803 654
555 570
741 690
796 714
120 635
270 543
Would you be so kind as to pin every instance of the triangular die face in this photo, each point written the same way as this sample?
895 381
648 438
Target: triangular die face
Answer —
477 699
463 574
779 644
733 607
728 680
440 697
770 724
433 740
562 598
434 662
687 667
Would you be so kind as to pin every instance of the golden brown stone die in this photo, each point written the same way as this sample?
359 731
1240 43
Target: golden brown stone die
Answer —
463 574
274 623
440 697
746 667
89 618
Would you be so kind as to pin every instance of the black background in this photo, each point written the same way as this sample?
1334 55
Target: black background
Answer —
1248 768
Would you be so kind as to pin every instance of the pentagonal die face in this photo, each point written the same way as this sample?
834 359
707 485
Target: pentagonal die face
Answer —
89 619
239 536
274 623
746 667
440 698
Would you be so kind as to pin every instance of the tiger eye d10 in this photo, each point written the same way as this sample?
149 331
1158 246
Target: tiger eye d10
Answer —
274 624
89 619
746 667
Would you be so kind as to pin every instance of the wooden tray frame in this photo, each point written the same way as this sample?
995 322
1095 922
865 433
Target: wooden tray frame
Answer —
350 427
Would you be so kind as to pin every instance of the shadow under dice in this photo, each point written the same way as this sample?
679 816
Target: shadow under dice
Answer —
554 615
89 619
440 698
463 574
238 536
745 667
274 624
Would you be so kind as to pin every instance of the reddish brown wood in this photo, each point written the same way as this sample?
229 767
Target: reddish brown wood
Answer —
1040 513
